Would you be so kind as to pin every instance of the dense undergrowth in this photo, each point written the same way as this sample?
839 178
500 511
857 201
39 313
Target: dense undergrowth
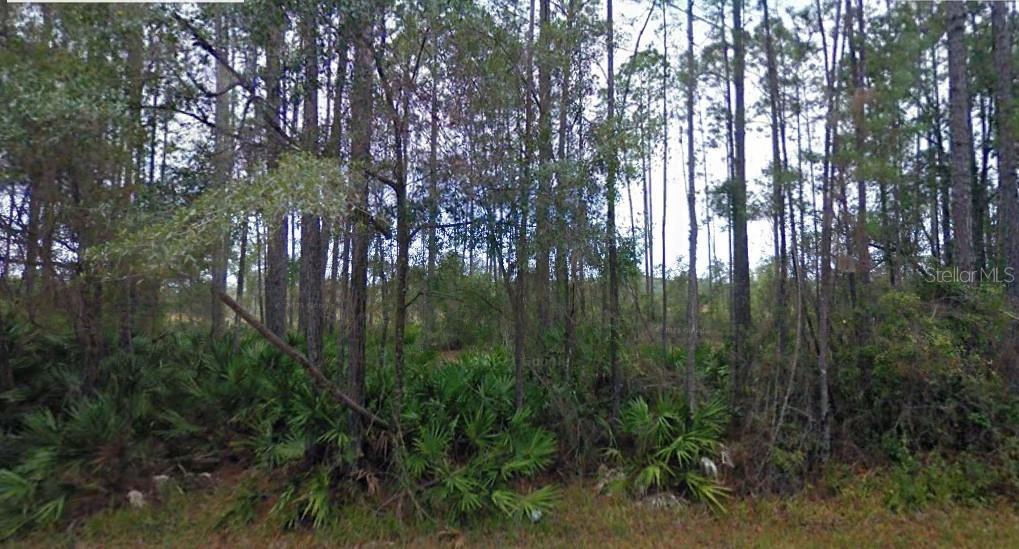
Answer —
927 402
183 404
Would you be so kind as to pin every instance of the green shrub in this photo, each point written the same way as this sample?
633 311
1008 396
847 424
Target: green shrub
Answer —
665 444
468 445
913 485
925 381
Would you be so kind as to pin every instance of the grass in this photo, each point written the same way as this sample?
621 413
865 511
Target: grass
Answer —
855 518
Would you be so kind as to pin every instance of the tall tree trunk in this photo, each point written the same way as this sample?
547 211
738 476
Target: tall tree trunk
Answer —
341 231
242 261
827 220
402 260
778 193
610 182
312 259
1008 194
962 137
542 220
276 228
134 177
941 173
562 194
857 43
665 183
741 252
260 270
692 304
222 166
645 161
433 198
980 184
518 297
361 101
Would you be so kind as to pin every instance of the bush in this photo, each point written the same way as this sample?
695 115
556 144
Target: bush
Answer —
667 447
468 445
915 484
925 380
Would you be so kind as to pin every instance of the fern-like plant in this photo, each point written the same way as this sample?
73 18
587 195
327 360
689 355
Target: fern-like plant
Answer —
468 445
668 444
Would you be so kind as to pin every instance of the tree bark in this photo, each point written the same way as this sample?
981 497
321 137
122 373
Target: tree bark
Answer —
276 228
610 182
665 184
692 304
827 220
360 156
962 137
778 193
741 253
857 44
542 220
222 166
312 259
1008 194
433 197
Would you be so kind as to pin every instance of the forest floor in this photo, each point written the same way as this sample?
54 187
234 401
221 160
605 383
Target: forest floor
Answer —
582 518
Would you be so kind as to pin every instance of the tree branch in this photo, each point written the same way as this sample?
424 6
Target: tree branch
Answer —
316 375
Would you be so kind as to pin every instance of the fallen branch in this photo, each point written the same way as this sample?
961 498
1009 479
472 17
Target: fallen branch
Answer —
316 375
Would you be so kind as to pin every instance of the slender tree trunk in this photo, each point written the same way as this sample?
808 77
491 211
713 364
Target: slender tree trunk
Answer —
360 157
334 277
1008 194
400 116
778 193
242 261
827 220
334 147
312 259
962 137
857 44
610 182
276 228
980 185
692 304
259 270
645 161
942 175
665 184
522 255
433 198
134 177
222 166
544 173
562 194
741 252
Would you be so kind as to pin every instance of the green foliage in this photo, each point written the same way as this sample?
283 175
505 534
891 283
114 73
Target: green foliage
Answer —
930 350
184 401
466 442
666 443
466 308
301 182
181 401
913 485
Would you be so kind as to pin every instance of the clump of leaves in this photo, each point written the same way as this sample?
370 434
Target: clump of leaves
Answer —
467 444
667 448
301 182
